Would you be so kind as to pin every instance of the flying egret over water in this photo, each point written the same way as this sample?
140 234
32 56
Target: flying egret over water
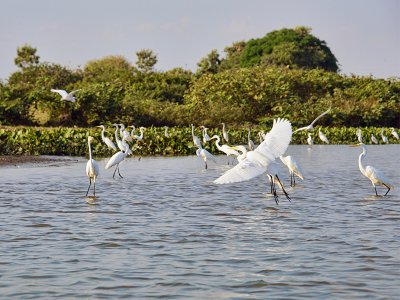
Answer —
311 126
106 140
294 168
375 176
322 136
65 95
92 169
256 162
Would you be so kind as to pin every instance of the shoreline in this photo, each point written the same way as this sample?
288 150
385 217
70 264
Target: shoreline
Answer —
15 160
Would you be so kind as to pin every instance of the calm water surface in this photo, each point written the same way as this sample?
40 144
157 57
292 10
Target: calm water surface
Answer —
166 231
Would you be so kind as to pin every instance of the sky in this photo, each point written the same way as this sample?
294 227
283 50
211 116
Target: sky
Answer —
364 35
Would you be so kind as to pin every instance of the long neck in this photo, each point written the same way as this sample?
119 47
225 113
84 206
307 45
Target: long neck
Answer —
90 151
217 139
116 133
102 133
192 130
360 159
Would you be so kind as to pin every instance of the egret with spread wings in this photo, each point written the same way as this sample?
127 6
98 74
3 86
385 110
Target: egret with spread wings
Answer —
311 126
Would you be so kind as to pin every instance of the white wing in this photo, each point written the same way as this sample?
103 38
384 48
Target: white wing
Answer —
320 116
243 171
302 128
275 144
277 140
63 93
209 156
115 159
109 143
73 92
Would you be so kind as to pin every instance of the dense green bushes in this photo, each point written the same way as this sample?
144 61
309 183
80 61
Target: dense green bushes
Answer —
73 141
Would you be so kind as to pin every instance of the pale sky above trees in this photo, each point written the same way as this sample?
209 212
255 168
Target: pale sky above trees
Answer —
362 34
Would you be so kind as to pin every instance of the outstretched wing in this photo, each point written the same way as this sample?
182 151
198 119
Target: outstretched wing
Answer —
243 171
277 140
61 92
73 92
320 116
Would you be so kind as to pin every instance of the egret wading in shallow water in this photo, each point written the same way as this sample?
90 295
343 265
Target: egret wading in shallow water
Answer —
92 169
375 176
65 95
256 162
322 136
118 157
294 168
205 155
311 126
228 150
106 140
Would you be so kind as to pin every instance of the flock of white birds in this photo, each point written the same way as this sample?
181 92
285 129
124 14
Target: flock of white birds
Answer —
252 160
248 161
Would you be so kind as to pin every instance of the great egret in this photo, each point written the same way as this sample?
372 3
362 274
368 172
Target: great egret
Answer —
117 158
311 126
272 172
394 133
65 95
256 162
310 140
225 133
196 140
249 141
106 140
118 141
139 137
205 155
206 137
375 176
166 134
228 150
384 138
374 139
124 133
92 169
359 135
322 136
294 168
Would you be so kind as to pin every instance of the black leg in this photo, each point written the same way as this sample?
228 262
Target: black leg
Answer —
291 179
115 171
206 165
387 188
376 193
283 188
90 183
94 188
119 172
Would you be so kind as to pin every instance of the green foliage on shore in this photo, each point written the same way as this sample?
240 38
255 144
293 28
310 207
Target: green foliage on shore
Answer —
73 141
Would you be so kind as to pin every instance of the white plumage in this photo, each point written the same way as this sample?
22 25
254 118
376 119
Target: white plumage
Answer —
92 168
65 95
107 140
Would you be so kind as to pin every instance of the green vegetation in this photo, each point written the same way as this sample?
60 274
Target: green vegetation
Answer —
287 73
73 141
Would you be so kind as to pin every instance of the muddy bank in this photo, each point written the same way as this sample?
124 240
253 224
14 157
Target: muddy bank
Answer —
14 160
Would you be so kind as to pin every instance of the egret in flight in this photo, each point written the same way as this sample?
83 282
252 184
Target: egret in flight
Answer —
92 169
311 126
256 162
375 176
322 136
294 168
107 140
65 95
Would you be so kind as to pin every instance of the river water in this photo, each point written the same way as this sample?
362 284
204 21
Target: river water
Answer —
166 231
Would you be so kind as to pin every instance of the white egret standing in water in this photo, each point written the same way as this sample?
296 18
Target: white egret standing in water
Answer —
65 95
106 140
311 126
225 133
92 169
228 150
375 176
256 162
384 138
118 157
310 141
205 155
196 140
322 136
294 168
394 133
